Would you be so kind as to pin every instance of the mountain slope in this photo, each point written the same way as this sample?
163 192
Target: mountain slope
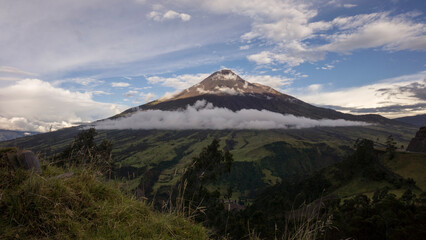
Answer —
10 134
226 89
418 120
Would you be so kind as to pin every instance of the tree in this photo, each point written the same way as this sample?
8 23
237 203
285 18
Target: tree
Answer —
205 168
364 153
408 197
84 151
202 172
390 146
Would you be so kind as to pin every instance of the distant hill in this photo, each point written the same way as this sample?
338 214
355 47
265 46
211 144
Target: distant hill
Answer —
10 134
418 120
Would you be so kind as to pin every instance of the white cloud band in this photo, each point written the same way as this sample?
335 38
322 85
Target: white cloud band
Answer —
203 115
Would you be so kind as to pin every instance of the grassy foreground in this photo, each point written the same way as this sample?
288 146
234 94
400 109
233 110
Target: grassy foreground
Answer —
81 206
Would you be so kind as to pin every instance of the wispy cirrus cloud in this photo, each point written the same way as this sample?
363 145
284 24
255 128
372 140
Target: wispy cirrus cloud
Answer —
342 35
293 32
398 32
12 70
109 36
84 81
8 73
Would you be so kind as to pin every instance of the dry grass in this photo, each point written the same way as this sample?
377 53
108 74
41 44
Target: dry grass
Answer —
81 206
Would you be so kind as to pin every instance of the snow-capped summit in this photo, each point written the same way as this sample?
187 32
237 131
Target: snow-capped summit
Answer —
225 82
225 74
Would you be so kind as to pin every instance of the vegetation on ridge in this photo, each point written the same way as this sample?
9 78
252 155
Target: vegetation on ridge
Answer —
77 202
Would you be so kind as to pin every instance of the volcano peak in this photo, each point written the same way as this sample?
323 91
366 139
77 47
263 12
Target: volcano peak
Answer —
225 89
225 82
224 74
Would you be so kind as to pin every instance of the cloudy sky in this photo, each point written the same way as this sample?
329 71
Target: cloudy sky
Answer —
72 61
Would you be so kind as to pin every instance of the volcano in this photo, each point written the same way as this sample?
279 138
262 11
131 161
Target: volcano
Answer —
225 89
151 158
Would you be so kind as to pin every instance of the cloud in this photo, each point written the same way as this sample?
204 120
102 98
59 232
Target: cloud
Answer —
349 5
36 105
402 110
141 1
398 32
148 96
169 15
178 82
293 55
203 115
244 47
184 81
263 57
169 95
339 3
131 93
99 92
7 69
392 97
8 73
24 124
314 88
268 80
294 33
109 37
326 67
10 78
85 81
138 97
417 89
120 84
276 20
129 41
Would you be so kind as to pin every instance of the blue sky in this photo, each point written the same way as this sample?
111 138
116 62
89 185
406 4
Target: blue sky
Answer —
66 62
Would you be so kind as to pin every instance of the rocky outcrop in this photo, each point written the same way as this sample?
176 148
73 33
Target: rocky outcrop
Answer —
23 159
418 143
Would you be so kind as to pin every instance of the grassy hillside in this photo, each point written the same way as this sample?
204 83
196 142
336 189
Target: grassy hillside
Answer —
81 206
408 165
270 155
395 174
